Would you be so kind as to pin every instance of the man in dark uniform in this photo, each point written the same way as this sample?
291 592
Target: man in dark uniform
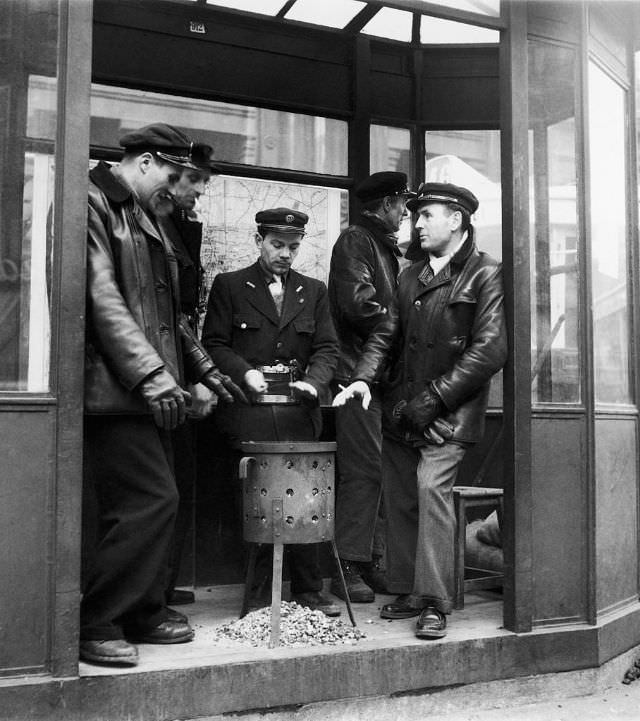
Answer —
446 338
362 281
138 355
268 320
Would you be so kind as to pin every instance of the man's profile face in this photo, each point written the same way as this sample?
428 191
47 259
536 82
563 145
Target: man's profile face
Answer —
278 250
436 225
190 187
397 212
156 184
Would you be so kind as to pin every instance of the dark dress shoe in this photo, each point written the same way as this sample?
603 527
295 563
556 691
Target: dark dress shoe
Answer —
166 632
400 608
176 616
178 597
116 652
431 624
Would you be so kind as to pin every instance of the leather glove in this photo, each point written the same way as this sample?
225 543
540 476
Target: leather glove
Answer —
166 400
420 411
223 387
438 433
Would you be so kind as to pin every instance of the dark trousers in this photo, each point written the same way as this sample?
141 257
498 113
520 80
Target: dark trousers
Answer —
128 464
277 423
359 531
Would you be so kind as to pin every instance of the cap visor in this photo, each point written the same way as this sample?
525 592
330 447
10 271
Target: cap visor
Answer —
183 162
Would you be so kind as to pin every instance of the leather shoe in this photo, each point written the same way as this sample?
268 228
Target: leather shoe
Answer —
166 632
358 590
178 597
317 601
431 624
116 652
400 608
374 575
176 616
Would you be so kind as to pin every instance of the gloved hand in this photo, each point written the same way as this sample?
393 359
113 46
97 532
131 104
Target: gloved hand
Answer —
420 411
166 400
304 390
223 387
438 433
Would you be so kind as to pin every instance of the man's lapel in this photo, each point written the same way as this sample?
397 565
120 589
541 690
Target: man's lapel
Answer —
258 295
295 297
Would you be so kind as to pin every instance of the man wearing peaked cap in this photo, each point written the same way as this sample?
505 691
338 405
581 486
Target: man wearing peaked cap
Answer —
362 281
448 324
140 354
270 329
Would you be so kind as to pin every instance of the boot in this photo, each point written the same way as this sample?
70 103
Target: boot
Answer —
374 575
357 589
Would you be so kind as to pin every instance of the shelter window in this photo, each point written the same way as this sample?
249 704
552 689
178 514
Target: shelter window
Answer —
264 7
330 13
391 24
482 7
238 133
437 31
608 220
554 224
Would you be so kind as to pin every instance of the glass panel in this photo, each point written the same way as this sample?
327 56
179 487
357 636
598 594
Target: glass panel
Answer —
264 7
27 110
390 23
435 31
228 207
238 134
608 216
331 13
470 158
554 225
483 7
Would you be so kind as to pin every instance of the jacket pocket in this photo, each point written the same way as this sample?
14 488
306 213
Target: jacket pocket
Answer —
306 326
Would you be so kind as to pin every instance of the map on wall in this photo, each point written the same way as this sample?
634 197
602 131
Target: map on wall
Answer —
228 208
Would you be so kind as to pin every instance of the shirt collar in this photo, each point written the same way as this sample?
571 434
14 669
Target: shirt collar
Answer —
438 263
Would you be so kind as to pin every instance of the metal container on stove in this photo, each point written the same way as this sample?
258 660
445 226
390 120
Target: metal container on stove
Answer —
288 493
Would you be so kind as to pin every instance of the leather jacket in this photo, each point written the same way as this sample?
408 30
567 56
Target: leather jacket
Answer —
362 282
448 334
134 325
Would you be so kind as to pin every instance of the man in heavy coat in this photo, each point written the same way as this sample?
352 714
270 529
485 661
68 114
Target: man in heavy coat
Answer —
268 316
444 338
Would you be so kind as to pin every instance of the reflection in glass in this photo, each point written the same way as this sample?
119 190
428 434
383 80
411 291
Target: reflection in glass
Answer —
390 149
27 111
608 215
436 31
554 224
237 133
470 158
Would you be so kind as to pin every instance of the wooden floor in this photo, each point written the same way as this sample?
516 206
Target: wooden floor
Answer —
481 618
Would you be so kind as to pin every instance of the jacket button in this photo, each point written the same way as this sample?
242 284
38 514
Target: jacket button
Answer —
418 303
161 285
243 325
279 344
164 328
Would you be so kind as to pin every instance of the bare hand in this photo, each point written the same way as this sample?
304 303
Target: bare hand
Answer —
255 381
202 401
304 390
357 389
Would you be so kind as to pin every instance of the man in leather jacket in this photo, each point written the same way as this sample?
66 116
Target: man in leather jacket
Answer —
444 339
362 282
139 353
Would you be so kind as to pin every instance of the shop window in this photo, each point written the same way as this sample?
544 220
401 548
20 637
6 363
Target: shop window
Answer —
26 229
554 225
238 133
608 224
228 209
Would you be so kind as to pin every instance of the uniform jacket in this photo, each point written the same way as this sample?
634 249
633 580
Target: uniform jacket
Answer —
362 282
242 328
448 332
134 323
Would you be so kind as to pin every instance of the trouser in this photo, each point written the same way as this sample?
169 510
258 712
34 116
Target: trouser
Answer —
277 423
128 461
421 524
184 451
359 527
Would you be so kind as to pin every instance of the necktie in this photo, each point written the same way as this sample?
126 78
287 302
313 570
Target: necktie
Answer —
277 292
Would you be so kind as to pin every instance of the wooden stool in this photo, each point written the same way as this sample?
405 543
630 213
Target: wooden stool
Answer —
466 497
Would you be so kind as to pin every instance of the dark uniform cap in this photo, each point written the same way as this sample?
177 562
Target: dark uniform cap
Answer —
444 193
380 185
202 157
282 220
164 140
